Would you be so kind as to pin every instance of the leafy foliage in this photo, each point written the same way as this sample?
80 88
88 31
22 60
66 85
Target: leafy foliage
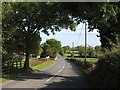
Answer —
98 50
107 71
22 23
66 48
80 49
90 52
51 48
101 16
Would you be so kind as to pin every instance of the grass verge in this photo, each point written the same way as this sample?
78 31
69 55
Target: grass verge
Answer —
25 72
3 80
16 74
42 66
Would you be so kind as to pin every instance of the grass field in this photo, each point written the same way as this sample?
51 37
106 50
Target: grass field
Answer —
70 55
67 55
76 55
72 51
91 60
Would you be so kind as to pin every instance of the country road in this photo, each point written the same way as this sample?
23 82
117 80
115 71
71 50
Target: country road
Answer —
62 74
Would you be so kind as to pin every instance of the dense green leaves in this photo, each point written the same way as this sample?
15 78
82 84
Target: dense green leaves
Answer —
23 22
66 48
51 48
99 15
107 71
81 50
91 52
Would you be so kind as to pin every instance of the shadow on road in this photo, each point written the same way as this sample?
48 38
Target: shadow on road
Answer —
67 82
59 81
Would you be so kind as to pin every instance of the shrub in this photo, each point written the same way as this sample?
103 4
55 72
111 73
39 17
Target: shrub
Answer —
72 55
107 71
43 55
53 55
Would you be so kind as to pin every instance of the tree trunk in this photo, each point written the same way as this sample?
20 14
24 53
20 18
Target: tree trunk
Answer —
26 65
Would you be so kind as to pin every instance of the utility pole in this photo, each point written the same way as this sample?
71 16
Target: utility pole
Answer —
73 45
85 42
72 53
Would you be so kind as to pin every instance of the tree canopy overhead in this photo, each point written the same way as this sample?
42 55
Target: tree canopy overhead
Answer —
103 16
23 21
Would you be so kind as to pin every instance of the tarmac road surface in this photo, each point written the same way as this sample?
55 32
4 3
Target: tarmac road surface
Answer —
62 74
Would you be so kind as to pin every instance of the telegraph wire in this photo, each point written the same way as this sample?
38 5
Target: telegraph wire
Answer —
79 36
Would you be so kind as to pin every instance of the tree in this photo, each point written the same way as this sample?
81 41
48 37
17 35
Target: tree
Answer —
8 46
30 18
55 44
101 16
81 50
51 48
66 48
46 50
98 50
90 52
26 20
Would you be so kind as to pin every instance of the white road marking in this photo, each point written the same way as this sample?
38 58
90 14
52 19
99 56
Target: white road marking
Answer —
56 73
64 65
60 70
50 78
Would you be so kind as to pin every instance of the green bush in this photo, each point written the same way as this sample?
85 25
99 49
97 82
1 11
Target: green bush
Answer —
107 71
72 54
43 55
53 55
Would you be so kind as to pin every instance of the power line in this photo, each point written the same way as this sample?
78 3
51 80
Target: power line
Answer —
79 36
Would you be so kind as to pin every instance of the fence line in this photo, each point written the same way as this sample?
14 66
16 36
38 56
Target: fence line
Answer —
12 66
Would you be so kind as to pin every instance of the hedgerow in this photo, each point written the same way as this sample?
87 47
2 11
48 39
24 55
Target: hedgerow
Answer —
107 71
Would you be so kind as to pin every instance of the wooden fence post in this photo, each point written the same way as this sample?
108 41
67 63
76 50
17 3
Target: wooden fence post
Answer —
8 67
20 64
12 65
16 64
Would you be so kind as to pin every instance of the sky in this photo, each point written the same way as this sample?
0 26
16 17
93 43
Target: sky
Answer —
67 37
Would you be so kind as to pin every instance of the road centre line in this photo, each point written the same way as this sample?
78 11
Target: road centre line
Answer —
53 76
56 73
60 70
50 78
